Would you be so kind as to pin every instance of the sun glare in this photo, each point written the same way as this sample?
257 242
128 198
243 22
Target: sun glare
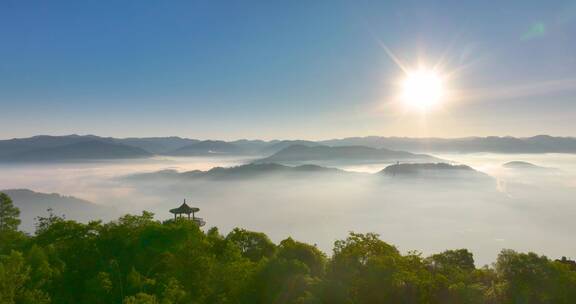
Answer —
423 89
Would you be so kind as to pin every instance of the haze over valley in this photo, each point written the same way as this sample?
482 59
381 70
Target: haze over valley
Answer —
315 191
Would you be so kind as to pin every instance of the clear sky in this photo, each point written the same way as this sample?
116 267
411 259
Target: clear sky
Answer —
283 69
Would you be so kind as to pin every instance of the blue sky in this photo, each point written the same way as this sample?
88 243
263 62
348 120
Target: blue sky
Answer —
283 69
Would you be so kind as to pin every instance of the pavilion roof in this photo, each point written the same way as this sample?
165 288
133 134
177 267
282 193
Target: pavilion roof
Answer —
184 208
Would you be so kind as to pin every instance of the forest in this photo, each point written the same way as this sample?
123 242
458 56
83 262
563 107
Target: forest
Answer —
137 259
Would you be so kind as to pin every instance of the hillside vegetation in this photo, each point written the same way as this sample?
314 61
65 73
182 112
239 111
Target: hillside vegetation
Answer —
137 259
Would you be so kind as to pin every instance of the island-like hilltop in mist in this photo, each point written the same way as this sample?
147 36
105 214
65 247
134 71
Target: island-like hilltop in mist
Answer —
90 147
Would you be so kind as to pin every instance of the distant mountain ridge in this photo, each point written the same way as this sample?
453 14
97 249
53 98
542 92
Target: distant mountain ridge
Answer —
208 147
494 144
77 147
281 145
305 154
88 150
157 145
85 147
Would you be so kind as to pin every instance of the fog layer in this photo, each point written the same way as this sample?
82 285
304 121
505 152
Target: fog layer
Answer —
521 209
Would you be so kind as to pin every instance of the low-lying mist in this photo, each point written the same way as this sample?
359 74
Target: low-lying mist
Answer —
527 209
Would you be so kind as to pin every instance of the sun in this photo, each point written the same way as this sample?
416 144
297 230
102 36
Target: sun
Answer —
422 89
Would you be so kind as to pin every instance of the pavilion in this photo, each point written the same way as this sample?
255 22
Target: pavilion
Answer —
185 209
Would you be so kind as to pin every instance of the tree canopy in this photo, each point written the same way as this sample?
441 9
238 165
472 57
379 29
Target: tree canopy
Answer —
137 259
9 215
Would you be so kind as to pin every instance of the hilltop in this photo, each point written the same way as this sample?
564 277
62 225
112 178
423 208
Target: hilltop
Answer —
438 171
347 154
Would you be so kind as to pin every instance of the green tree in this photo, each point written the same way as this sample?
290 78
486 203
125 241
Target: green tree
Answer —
460 259
456 278
172 292
253 245
309 255
141 298
14 279
73 252
136 259
13 275
292 275
10 237
533 279
9 214
365 269
42 274
99 289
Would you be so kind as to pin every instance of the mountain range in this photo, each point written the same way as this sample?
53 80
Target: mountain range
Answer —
93 149
428 171
89 147
494 144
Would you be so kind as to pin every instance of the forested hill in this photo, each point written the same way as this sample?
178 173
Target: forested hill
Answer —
137 259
